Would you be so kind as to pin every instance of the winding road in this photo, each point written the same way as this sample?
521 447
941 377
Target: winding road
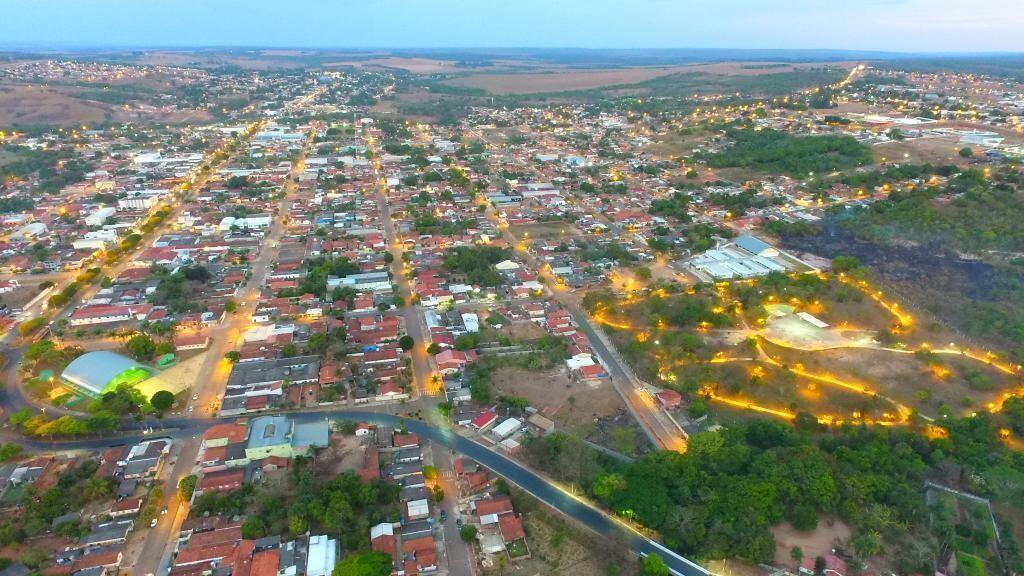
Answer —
529 481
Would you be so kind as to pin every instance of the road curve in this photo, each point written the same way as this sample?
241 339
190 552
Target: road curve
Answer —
517 474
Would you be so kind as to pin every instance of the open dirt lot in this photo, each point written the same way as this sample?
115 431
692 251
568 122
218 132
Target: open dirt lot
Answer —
546 230
524 330
23 104
343 454
551 391
36 104
813 544
937 151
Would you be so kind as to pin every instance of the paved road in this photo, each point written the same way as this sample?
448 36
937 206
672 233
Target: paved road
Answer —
655 423
158 547
410 313
593 518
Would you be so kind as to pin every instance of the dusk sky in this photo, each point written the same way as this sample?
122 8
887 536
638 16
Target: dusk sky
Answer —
899 25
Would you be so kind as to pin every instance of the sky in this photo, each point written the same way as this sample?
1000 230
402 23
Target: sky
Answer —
889 25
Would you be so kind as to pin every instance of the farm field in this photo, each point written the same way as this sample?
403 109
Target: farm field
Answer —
558 80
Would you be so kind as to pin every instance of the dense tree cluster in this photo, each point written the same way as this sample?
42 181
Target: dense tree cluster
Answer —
75 488
476 263
775 151
342 506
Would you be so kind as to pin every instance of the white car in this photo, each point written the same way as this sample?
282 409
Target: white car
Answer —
153 523
190 409
195 396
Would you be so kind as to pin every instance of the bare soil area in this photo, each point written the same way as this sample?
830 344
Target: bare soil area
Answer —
524 330
343 454
37 104
569 404
818 542
545 230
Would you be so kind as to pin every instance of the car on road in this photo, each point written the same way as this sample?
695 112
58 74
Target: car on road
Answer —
153 523
164 511
444 515
190 409
458 522
195 396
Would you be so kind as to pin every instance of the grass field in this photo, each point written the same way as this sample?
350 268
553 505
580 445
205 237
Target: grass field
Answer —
560 79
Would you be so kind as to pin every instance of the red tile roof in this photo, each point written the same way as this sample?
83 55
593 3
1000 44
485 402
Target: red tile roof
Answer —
264 563
511 527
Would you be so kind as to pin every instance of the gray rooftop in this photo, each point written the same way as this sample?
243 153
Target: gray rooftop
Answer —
269 431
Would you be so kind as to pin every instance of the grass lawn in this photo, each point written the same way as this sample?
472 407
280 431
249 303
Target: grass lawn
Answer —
970 565
517 548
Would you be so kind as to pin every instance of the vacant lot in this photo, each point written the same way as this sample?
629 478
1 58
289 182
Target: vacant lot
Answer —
36 104
559 547
815 543
568 403
545 230
938 151
343 454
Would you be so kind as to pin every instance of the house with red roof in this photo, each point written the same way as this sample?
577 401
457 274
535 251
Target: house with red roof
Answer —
484 420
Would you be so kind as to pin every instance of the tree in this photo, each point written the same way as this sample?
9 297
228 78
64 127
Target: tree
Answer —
653 565
364 564
797 554
233 356
406 342
141 347
318 343
186 486
231 306
966 152
162 401
389 257
624 439
867 545
643 273
10 451
843 263
467 533
253 528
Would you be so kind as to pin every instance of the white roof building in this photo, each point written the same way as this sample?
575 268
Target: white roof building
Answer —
322 555
505 428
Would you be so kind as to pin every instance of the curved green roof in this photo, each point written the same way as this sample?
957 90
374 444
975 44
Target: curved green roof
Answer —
97 372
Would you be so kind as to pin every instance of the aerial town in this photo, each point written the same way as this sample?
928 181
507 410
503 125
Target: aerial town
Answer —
301 313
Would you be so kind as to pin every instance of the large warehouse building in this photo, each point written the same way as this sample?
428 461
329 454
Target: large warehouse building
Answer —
95 373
